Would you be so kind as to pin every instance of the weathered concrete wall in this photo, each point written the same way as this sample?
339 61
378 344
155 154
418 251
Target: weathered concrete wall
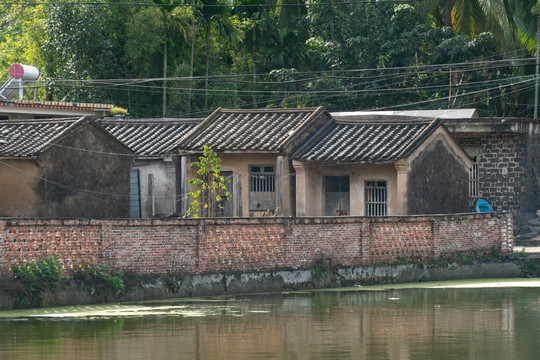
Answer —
280 280
438 182
157 185
87 176
18 179
247 244
84 175
531 197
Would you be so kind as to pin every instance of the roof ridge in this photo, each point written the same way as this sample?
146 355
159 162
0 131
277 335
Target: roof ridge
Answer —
63 134
148 121
317 135
41 121
420 138
303 109
196 130
384 121
316 112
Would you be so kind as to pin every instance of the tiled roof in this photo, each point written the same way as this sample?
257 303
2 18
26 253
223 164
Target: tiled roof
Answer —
267 130
23 138
150 137
356 141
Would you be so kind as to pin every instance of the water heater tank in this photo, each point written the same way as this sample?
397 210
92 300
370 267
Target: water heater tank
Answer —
24 72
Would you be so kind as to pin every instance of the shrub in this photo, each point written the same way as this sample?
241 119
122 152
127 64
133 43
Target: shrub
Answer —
29 281
99 275
322 266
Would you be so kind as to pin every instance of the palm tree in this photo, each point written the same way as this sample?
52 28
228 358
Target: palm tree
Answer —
213 17
175 23
510 21
258 24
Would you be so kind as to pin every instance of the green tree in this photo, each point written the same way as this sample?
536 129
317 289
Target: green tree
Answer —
510 21
213 18
22 36
80 43
211 186
256 23
156 32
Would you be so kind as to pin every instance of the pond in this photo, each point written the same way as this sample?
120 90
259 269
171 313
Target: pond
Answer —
491 319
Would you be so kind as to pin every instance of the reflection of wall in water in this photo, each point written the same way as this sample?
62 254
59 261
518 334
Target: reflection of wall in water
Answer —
393 325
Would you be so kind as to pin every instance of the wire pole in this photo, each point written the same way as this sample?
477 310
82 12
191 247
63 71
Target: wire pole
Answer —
537 66
536 11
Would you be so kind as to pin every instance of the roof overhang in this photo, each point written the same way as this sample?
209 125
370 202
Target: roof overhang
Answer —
52 110
490 125
218 151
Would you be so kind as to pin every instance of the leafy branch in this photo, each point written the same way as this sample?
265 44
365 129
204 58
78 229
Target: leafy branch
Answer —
212 189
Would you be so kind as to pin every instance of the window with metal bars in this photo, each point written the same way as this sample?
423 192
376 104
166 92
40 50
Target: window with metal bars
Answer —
474 179
376 198
262 179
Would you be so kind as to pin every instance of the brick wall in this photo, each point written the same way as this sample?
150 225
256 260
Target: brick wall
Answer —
215 245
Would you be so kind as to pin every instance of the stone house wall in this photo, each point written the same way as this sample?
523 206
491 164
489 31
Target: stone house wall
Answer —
249 244
505 170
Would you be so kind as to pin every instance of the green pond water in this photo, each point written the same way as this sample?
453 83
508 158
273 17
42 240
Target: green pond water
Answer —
490 319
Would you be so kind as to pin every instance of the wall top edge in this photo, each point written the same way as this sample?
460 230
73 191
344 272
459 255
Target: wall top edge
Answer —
7 222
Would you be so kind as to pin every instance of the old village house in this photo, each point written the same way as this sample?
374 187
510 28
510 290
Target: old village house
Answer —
62 168
154 177
380 168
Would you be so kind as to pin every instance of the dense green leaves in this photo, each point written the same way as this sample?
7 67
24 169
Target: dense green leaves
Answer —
244 53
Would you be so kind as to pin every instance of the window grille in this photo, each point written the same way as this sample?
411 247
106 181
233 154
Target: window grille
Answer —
262 179
376 198
474 179
470 142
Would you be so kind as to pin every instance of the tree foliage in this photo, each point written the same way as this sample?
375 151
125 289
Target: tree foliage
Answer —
211 191
258 53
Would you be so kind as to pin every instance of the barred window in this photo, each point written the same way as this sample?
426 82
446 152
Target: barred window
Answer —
376 198
262 178
474 179
469 142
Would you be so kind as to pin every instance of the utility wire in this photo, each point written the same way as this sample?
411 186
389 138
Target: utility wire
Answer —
414 69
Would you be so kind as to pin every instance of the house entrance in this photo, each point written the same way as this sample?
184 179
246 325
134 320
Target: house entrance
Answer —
262 188
228 205
337 195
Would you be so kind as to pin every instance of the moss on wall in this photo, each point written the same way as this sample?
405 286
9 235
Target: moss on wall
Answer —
438 182
87 176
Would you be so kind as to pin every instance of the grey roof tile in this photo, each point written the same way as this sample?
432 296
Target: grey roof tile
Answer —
359 141
150 137
26 138
257 130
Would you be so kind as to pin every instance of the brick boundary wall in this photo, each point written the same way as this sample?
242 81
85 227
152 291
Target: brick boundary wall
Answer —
249 244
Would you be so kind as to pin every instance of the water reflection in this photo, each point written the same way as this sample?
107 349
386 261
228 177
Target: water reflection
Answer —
487 323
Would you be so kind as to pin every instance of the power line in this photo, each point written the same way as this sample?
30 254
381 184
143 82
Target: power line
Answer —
413 69
383 88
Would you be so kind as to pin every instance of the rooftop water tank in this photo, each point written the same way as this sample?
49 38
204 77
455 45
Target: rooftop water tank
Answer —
24 72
